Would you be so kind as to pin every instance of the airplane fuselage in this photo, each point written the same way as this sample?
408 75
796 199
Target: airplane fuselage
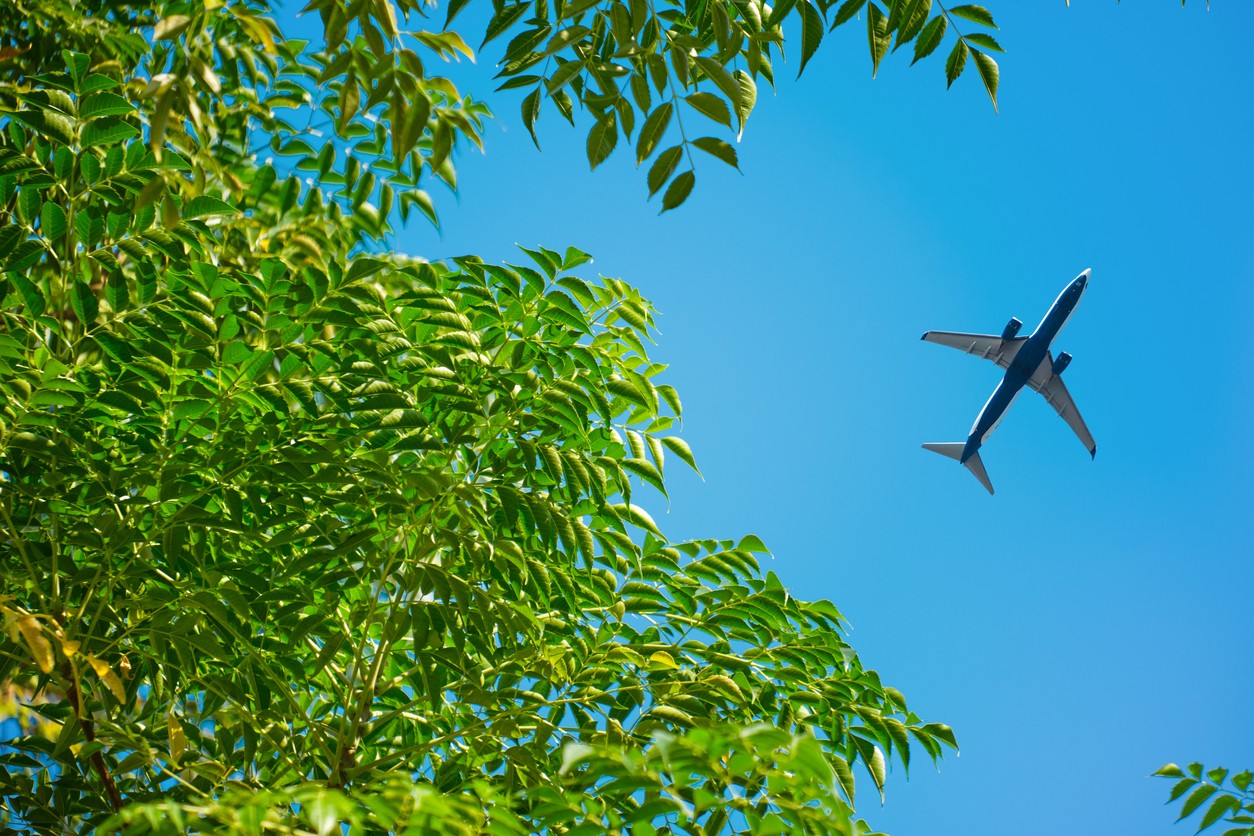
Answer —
1025 363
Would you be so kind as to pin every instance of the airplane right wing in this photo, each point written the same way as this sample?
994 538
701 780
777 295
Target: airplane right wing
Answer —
1055 393
989 346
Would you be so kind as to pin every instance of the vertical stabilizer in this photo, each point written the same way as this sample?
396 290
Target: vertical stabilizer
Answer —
953 449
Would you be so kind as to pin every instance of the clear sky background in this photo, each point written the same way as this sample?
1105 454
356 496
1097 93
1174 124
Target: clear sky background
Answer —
1093 619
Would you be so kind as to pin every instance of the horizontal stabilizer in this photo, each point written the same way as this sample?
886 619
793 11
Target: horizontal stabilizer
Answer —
953 449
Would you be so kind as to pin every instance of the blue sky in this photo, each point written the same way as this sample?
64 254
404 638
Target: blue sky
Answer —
1089 622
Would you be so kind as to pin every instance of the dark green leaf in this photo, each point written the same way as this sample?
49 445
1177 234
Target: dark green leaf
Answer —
84 303
975 14
602 139
718 148
103 104
878 36
663 167
929 38
52 221
531 112
108 132
811 33
653 129
956 61
710 105
31 294
983 40
506 17
847 10
678 190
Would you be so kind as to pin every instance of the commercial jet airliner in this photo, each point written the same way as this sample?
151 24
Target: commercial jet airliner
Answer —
1028 362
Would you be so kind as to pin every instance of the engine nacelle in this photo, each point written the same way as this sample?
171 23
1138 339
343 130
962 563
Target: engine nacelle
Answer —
1061 362
1012 328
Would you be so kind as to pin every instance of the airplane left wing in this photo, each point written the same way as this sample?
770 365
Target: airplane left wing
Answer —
1055 393
989 346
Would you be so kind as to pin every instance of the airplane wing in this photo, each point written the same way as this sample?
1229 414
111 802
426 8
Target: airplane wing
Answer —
1055 393
989 346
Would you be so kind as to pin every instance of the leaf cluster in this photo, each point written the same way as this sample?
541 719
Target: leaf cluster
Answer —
1225 798
679 69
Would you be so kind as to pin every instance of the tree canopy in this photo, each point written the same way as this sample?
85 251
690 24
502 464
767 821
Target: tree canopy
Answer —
299 531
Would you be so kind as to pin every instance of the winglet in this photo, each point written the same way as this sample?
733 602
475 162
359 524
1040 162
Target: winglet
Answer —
953 449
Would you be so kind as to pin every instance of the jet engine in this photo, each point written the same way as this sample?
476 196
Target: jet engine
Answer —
1012 328
1061 362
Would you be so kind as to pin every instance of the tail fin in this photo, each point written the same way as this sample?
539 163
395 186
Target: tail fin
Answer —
953 450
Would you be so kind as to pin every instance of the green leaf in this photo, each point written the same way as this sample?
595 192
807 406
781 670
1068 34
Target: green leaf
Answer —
84 302
983 40
117 294
103 104
727 83
748 98
202 205
929 38
108 132
811 33
121 401
169 28
663 167
678 190
680 448
77 64
31 294
1182 786
878 36
564 74
52 221
847 10
753 543
531 112
653 129
1220 807
51 124
989 74
29 205
602 139
638 516
505 18
710 105
955 63
912 20
975 14
718 148
454 7
1196 799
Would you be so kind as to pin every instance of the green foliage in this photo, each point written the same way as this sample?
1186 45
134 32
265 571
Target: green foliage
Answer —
1224 798
631 61
299 531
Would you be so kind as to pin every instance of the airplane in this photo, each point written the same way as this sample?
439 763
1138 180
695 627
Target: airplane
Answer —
1028 362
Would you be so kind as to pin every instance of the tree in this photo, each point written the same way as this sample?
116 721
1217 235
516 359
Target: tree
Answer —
298 531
